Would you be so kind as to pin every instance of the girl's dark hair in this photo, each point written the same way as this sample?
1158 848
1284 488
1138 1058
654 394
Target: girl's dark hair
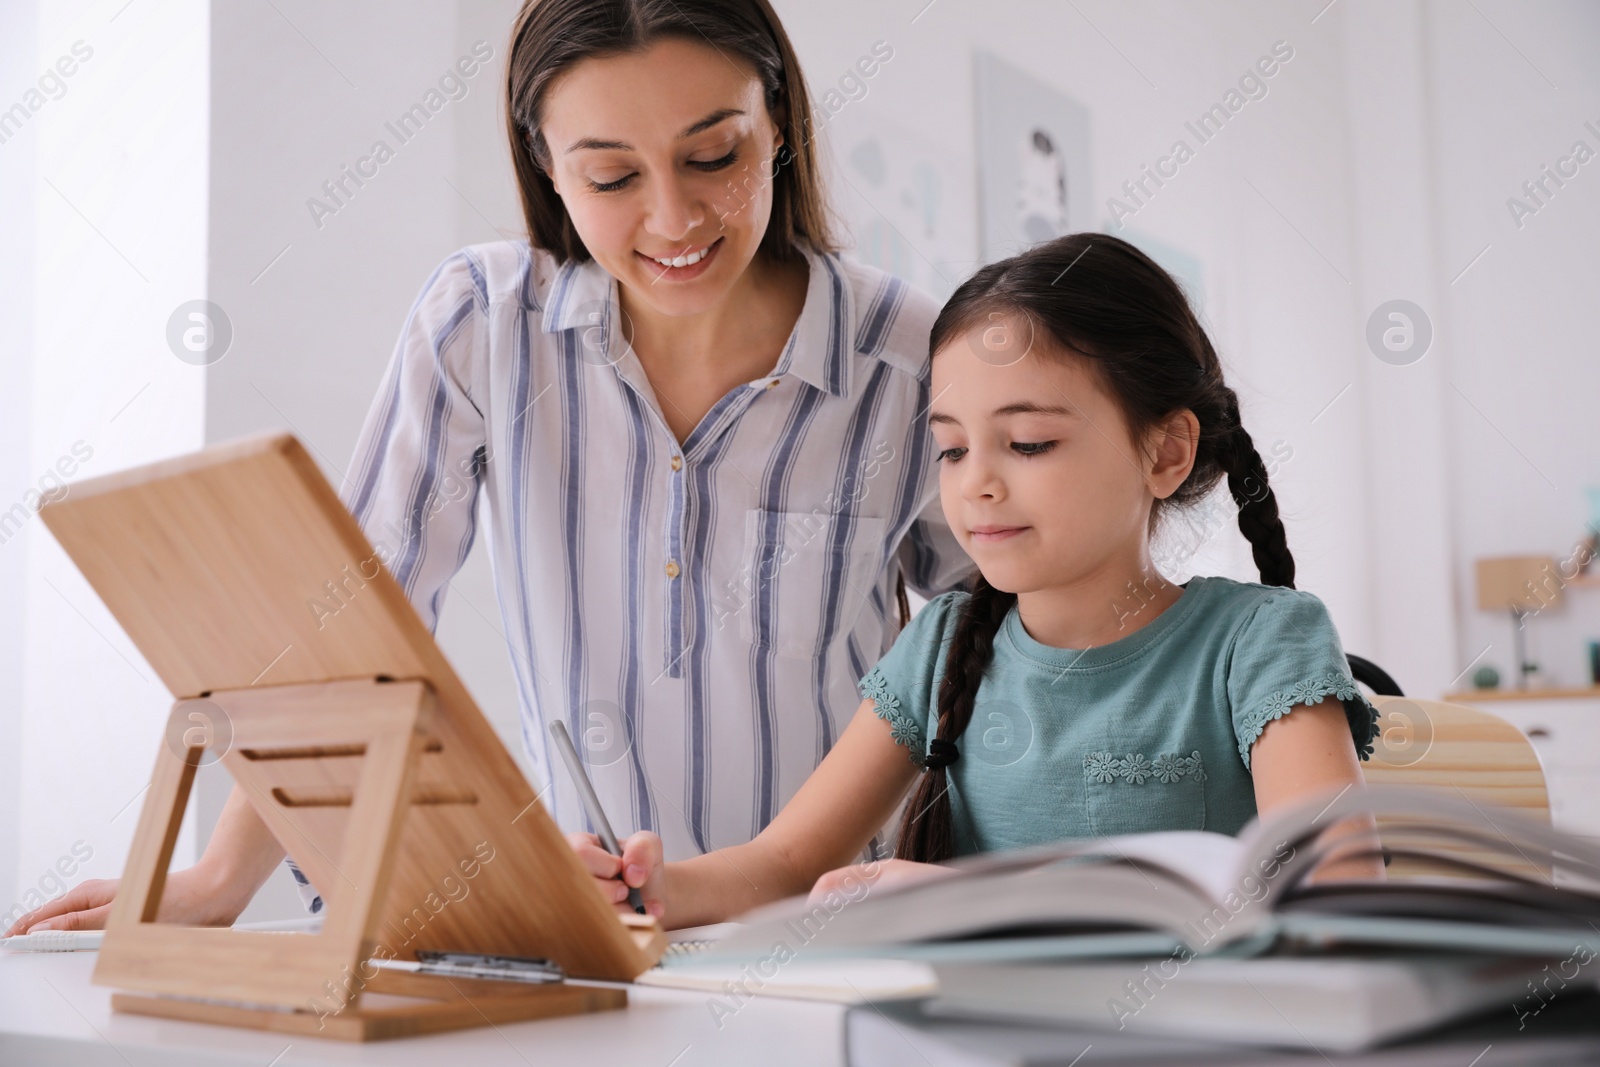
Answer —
1103 300
549 36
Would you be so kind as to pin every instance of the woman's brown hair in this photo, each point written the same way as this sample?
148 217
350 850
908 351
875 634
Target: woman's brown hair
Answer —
551 35
1102 300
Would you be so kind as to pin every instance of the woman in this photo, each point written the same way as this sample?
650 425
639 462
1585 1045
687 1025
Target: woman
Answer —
700 431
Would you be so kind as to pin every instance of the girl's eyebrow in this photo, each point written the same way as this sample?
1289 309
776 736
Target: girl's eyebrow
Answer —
595 143
1020 407
1028 407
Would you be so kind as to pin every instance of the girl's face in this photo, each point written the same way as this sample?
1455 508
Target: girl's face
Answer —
1040 476
664 157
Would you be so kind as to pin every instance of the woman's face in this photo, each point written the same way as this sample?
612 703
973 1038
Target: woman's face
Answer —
662 157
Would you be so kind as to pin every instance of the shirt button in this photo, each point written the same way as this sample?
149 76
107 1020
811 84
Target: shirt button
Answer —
677 463
772 384
672 568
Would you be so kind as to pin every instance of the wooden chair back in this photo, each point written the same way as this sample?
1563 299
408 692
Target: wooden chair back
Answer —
1465 752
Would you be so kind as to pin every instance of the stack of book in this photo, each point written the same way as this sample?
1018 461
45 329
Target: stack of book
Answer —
1222 942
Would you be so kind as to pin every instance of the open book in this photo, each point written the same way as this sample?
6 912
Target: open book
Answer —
1210 894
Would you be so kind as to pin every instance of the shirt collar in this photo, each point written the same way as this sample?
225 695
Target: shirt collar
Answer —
583 294
580 289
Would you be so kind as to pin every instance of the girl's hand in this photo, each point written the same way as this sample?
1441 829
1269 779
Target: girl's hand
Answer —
849 881
640 864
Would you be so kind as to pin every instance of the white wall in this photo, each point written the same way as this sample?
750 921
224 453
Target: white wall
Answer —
1523 365
117 190
17 50
1403 413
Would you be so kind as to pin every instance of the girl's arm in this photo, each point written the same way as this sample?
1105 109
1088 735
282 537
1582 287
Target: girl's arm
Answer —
825 826
1306 752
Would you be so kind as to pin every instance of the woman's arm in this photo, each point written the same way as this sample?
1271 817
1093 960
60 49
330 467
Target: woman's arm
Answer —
240 856
423 452
1306 752
825 826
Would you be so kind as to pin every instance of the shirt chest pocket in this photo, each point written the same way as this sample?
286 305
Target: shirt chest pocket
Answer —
808 575
1133 792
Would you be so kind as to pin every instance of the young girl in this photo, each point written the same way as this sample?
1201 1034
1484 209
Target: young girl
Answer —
1072 691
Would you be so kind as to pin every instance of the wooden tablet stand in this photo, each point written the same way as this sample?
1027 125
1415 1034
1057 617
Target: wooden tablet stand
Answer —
354 742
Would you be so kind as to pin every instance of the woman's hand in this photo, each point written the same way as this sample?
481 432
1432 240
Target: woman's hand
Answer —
849 881
214 892
640 865
84 907
191 898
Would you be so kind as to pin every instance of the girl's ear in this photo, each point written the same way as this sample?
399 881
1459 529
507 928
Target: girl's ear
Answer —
1172 447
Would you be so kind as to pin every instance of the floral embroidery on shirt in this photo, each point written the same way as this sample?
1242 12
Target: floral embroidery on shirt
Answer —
1100 766
1135 767
1363 717
1278 704
1166 768
1307 692
904 732
886 706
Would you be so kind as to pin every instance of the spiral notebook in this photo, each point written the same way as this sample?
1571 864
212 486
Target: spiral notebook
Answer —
683 966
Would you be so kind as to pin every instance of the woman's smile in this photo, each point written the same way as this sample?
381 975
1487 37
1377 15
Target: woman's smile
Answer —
681 266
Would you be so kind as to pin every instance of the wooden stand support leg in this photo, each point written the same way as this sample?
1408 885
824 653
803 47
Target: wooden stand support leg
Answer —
304 983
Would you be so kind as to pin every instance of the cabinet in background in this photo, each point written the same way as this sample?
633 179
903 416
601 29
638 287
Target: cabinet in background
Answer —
1564 727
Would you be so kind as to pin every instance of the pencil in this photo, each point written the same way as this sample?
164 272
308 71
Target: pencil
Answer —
591 802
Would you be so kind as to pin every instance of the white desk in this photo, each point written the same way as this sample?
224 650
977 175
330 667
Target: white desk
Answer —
50 1014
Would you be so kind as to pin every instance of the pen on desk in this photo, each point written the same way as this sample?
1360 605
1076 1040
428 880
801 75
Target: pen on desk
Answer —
53 941
591 803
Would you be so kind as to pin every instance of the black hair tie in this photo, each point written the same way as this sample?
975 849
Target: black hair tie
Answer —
941 753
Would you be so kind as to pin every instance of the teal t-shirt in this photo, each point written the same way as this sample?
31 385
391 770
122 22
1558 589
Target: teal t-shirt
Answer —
1150 732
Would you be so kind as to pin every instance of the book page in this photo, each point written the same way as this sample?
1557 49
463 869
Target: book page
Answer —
1210 862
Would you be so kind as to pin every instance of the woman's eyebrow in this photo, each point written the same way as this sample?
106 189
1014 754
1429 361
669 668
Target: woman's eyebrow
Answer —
597 144
710 121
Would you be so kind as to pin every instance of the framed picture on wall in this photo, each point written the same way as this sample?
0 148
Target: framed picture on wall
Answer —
1033 159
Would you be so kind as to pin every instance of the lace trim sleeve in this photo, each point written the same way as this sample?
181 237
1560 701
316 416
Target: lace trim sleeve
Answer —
1358 710
886 705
